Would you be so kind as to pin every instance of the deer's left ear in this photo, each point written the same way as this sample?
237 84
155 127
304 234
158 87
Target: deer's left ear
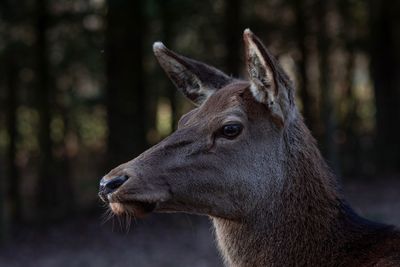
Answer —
264 74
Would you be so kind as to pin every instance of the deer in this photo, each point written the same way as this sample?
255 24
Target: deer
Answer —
245 158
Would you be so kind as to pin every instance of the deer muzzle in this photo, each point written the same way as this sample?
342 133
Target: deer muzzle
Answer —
108 186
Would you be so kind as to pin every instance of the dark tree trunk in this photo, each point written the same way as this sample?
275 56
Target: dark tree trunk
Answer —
233 31
349 120
64 180
10 201
13 181
4 218
302 31
327 112
385 70
125 87
5 221
47 181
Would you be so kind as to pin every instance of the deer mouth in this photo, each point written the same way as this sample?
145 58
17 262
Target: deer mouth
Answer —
134 208
131 199
119 203
130 207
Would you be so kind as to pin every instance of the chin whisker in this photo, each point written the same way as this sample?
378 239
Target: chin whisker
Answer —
128 221
120 223
107 216
113 224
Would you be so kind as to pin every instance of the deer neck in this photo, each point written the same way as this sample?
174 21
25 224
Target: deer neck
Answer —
289 229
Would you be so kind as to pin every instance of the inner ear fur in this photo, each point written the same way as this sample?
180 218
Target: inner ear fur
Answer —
269 84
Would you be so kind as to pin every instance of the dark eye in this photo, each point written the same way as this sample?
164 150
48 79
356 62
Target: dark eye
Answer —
232 130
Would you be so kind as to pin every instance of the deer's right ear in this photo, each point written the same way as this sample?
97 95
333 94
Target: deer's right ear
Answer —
196 80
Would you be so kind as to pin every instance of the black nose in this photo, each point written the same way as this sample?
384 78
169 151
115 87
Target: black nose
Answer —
108 186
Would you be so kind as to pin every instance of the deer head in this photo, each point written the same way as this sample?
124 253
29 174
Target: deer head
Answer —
227 157
244 157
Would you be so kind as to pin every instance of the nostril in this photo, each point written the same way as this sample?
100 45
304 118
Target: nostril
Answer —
110 185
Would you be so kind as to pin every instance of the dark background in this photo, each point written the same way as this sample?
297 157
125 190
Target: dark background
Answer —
81 92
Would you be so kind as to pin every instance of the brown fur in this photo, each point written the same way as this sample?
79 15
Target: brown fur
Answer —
270 195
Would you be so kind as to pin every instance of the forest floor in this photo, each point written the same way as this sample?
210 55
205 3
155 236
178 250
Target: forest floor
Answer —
176 240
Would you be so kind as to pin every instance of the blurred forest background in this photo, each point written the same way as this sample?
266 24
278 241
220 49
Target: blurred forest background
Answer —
80 90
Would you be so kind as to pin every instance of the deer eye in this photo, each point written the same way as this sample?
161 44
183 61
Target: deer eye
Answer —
232 130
